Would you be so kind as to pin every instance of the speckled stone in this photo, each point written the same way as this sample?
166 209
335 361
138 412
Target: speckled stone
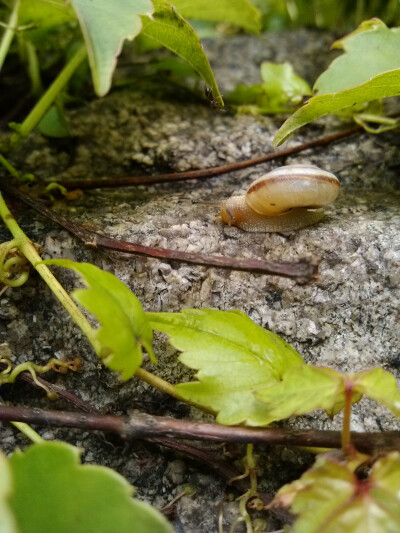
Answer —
347 319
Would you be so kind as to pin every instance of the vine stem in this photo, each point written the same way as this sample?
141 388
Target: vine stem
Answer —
49 96
27 248
9 33
145 426
166 387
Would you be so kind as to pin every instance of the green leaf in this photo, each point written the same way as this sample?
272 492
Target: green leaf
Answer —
368 70
370 50
43 14
167 27
105 25
331 498
380 386
241 13
282 79
303 390
124 326
307 388
54 492
234 357
281 91
54 124
7 522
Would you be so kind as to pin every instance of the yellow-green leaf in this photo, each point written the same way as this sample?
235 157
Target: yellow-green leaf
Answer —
234 357
380 386
241 13
124 328
303 390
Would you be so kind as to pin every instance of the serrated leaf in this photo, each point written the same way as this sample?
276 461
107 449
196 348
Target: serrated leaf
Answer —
241 13
303 390
124 326
331 498
167 27
380 386
53 492
7 522
368 70
105 25
234 357
307 388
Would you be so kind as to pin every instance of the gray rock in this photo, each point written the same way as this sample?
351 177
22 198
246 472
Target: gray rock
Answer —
347 319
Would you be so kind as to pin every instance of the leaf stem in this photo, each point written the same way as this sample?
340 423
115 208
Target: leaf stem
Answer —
8 166
26 246
348 393
166 387
49 96
28 432
9 33
28 249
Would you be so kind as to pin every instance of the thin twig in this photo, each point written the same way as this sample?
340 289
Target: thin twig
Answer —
144 426
302 272
62 393
211 458
206 172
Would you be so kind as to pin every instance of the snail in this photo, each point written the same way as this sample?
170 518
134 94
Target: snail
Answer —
281 199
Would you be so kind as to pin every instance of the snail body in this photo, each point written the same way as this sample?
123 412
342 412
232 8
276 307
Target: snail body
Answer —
281 200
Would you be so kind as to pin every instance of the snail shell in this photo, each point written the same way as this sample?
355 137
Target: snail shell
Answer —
281 199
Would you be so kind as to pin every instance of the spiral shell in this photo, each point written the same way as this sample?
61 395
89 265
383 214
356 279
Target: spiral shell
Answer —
281 199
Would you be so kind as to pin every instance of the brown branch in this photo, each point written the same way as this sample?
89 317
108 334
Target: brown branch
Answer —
207 172
144 426
302 272
62 393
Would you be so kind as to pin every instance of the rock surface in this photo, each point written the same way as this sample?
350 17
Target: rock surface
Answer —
347 319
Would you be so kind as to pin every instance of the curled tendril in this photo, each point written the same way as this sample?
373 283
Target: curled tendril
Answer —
14 267
9 374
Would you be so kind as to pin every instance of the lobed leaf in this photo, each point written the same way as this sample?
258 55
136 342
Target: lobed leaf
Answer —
170 29
53 492
306 388
105 25
368 70
124 327
380 386
331 498
302 390
241 13
234 357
